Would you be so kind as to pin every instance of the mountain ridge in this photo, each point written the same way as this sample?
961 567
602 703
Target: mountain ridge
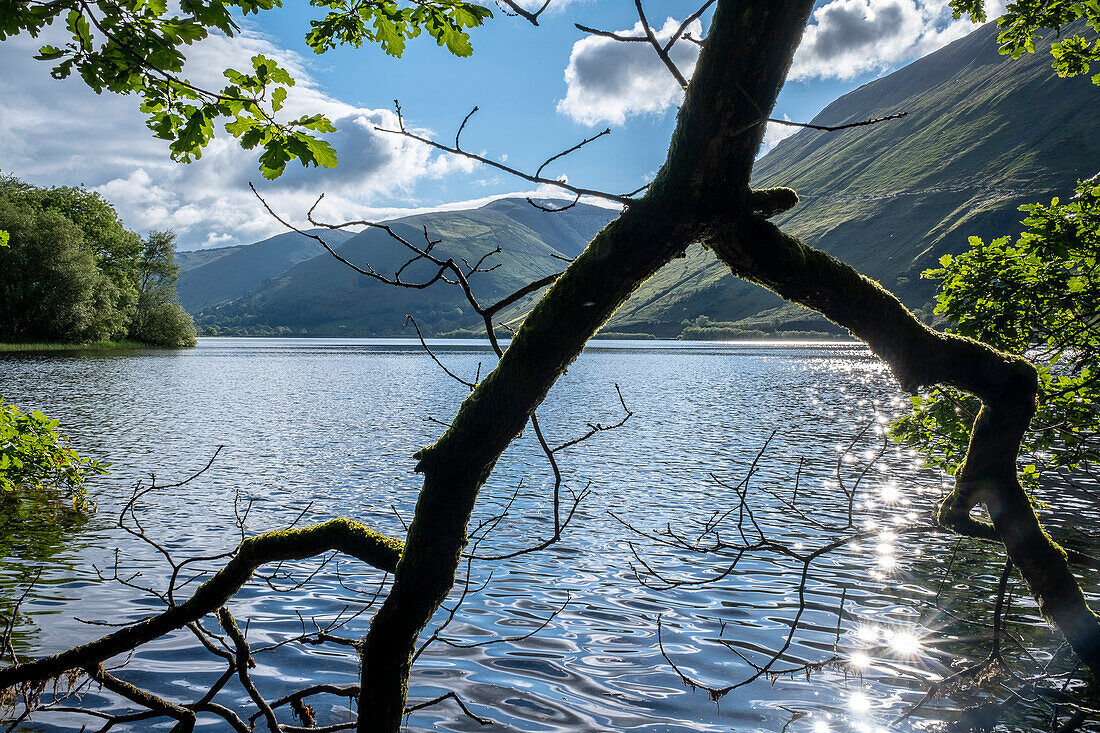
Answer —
321 296
984 134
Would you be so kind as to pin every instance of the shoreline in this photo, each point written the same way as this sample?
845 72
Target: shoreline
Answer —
615 336
125 344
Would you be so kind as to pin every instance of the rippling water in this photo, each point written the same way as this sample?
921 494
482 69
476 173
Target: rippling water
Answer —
327 428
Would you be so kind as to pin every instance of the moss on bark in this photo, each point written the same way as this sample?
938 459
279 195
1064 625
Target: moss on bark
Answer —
740 71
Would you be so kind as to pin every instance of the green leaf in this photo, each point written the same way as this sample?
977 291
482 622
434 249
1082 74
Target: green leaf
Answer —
49 53
323 154
278 97
78 26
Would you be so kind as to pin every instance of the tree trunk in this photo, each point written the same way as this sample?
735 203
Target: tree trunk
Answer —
740 72
702 193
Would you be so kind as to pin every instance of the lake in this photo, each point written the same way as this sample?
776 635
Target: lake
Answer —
314 429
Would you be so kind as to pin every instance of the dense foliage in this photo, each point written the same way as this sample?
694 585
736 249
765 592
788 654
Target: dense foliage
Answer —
159 318
136 46
43 500
1024 19
71 272
1038 297
34 457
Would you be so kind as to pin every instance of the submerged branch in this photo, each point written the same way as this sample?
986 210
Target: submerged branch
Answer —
343 535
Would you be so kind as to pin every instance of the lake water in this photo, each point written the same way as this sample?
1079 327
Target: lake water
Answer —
319 429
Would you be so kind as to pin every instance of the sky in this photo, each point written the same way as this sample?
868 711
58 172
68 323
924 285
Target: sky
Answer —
539 90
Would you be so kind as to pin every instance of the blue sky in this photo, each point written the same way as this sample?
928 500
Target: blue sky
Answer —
540 89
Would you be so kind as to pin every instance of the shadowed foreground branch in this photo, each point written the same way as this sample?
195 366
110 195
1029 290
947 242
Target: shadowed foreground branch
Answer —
342 535
701 194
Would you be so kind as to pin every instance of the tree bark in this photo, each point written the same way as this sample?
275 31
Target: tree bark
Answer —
918 356
740 71
702 193
351 538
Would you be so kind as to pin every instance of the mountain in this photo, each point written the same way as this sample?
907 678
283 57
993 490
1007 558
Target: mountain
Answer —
190 259
213 276
984 134
323 297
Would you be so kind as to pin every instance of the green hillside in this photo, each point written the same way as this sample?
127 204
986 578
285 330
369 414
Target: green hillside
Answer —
213 276
188 260
323 297
984 134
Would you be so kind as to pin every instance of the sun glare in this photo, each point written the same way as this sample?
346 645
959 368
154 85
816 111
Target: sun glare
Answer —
904 643
858 703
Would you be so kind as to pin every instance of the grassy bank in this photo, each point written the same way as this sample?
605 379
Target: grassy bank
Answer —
91 346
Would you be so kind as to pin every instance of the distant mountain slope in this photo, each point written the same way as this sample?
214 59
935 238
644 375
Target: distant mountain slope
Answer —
219 275
984 134
190 259
323 297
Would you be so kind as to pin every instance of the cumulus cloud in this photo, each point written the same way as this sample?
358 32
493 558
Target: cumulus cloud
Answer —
846 38
608 80
61 133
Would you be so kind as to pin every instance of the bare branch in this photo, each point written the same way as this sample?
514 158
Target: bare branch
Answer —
837 128
449 696
518 10
470 385
576 190
662 52
346 536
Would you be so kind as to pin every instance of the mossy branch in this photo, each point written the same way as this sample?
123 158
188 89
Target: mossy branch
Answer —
1007 385
769 202
341 535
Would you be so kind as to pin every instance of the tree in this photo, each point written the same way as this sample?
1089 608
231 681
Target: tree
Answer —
69 272
51 289
1038 298
116 248
701 194
73 272
159 317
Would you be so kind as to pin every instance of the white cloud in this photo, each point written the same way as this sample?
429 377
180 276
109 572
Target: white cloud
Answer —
609 80
846 38
774 134
61 133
